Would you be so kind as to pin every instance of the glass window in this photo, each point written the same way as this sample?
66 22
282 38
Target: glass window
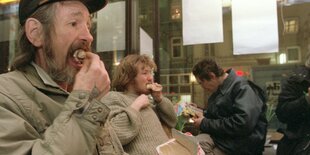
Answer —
175 10
293 54
263 69
163 80
173 79
291 25
173 89
184 79
176 45
185 89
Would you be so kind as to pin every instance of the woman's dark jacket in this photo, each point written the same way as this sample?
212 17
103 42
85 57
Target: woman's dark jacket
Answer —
235 117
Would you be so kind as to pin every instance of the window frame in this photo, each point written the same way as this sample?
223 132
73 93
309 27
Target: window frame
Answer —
174 45
287 54
288 26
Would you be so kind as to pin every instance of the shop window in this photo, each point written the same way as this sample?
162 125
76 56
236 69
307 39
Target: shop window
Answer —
184 79
163 79
173 89
165 89
176 47
291 25
173 79
176 84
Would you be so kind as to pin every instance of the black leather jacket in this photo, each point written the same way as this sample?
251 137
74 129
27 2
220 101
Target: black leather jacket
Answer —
235 118
293 106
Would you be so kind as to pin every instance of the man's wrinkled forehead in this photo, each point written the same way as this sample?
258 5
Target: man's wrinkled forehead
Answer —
74 13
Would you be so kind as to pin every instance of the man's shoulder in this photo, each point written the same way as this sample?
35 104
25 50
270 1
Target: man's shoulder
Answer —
244 83
239 82
15 84
112 96
13 77
13 87
10 74
115 93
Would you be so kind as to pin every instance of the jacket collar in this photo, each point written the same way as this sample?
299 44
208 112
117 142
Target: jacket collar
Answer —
44 76
228 81
41 80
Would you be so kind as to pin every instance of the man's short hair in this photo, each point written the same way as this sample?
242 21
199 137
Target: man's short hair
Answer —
204 67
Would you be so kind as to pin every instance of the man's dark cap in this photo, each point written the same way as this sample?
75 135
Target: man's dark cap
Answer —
28 7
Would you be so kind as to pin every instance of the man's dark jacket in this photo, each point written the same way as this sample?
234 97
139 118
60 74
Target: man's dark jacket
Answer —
293 109
235 118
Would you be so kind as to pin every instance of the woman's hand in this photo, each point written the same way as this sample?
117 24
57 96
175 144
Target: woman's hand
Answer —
141 102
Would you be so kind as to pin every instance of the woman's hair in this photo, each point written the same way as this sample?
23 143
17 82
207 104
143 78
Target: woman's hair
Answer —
27 50
204 67
127 70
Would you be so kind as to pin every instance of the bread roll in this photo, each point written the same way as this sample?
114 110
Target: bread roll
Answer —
79 54
154 87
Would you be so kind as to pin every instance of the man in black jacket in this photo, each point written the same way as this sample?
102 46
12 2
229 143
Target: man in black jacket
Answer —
234 121
293 109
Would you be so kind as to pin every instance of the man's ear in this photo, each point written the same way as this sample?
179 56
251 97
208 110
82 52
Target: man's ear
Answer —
212 75
34 32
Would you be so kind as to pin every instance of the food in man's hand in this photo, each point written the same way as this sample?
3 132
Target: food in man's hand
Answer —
79 55
154 87
188 112
191 111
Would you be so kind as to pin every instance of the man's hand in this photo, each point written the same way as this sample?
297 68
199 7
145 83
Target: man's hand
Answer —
141 102
197 120
93 76
156 92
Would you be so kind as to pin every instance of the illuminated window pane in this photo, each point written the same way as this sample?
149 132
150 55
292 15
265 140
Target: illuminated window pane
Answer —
175 12
291 25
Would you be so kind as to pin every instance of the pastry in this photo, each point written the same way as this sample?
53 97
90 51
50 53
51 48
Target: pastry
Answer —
154 87
79 55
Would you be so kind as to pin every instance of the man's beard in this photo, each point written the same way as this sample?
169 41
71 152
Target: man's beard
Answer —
59 72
